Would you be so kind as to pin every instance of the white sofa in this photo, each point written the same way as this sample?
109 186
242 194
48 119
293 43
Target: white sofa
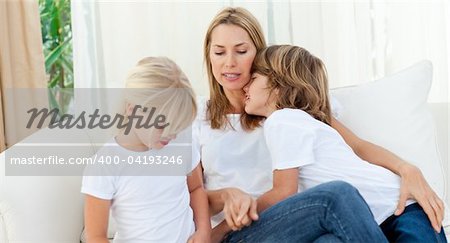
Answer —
48 209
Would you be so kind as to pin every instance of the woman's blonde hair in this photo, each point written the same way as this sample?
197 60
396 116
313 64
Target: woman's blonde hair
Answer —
299 77
157 82
219 105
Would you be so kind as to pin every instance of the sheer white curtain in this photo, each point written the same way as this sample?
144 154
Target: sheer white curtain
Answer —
111 36
358 40
363 40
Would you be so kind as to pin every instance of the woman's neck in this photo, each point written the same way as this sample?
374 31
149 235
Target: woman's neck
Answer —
236 99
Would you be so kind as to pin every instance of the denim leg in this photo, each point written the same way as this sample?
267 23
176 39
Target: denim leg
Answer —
334 208
327 238
411 226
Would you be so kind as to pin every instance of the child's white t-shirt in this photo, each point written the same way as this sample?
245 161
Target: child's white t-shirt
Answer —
296 139
145 208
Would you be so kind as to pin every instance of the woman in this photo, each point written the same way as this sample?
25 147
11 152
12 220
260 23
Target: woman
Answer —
236 162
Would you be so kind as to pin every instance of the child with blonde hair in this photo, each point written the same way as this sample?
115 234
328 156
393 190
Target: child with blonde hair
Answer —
289 87
149 199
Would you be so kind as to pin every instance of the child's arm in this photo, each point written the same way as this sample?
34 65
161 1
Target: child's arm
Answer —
285 184
96 216
200 207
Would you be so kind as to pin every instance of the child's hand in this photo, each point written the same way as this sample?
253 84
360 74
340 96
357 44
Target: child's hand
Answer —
200 236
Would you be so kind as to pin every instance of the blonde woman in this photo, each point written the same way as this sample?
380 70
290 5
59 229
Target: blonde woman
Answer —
149 206
289 87
236 162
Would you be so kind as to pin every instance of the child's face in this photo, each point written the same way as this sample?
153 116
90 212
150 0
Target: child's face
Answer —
148 138
152 138
258 98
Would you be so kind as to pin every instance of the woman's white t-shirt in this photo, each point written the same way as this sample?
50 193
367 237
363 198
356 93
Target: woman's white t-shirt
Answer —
296 139
232 157
145 208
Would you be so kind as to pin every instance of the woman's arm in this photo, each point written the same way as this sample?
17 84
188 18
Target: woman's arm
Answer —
413 183
199 205
216 199
96 216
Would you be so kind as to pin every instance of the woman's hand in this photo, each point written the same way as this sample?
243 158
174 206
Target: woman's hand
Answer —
414 185
240 208
200 236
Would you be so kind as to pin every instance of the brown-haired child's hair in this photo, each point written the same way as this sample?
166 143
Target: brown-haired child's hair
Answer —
299 77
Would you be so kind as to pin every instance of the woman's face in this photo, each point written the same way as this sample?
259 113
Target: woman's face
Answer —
232 53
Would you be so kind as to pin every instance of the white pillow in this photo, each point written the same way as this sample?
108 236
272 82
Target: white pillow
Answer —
393 112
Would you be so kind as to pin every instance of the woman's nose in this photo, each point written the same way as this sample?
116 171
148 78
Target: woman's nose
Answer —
230 61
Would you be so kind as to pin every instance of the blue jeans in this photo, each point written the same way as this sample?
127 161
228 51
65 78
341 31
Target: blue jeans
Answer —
411 226
331 212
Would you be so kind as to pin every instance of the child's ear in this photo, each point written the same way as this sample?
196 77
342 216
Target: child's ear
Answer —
277 91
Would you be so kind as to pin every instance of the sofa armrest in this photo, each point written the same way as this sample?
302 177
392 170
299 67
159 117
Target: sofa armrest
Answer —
40 208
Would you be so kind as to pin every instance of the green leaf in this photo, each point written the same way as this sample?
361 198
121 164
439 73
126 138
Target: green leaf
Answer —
53 102
54 24
53 82
68 66
56 43
55 54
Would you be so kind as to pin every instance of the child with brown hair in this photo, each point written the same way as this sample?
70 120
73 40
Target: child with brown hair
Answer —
289 87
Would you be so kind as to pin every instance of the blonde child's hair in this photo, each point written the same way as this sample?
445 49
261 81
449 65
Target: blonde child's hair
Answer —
299 77
157 82
219 104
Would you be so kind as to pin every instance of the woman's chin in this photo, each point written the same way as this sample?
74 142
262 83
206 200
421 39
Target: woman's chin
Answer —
234 86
